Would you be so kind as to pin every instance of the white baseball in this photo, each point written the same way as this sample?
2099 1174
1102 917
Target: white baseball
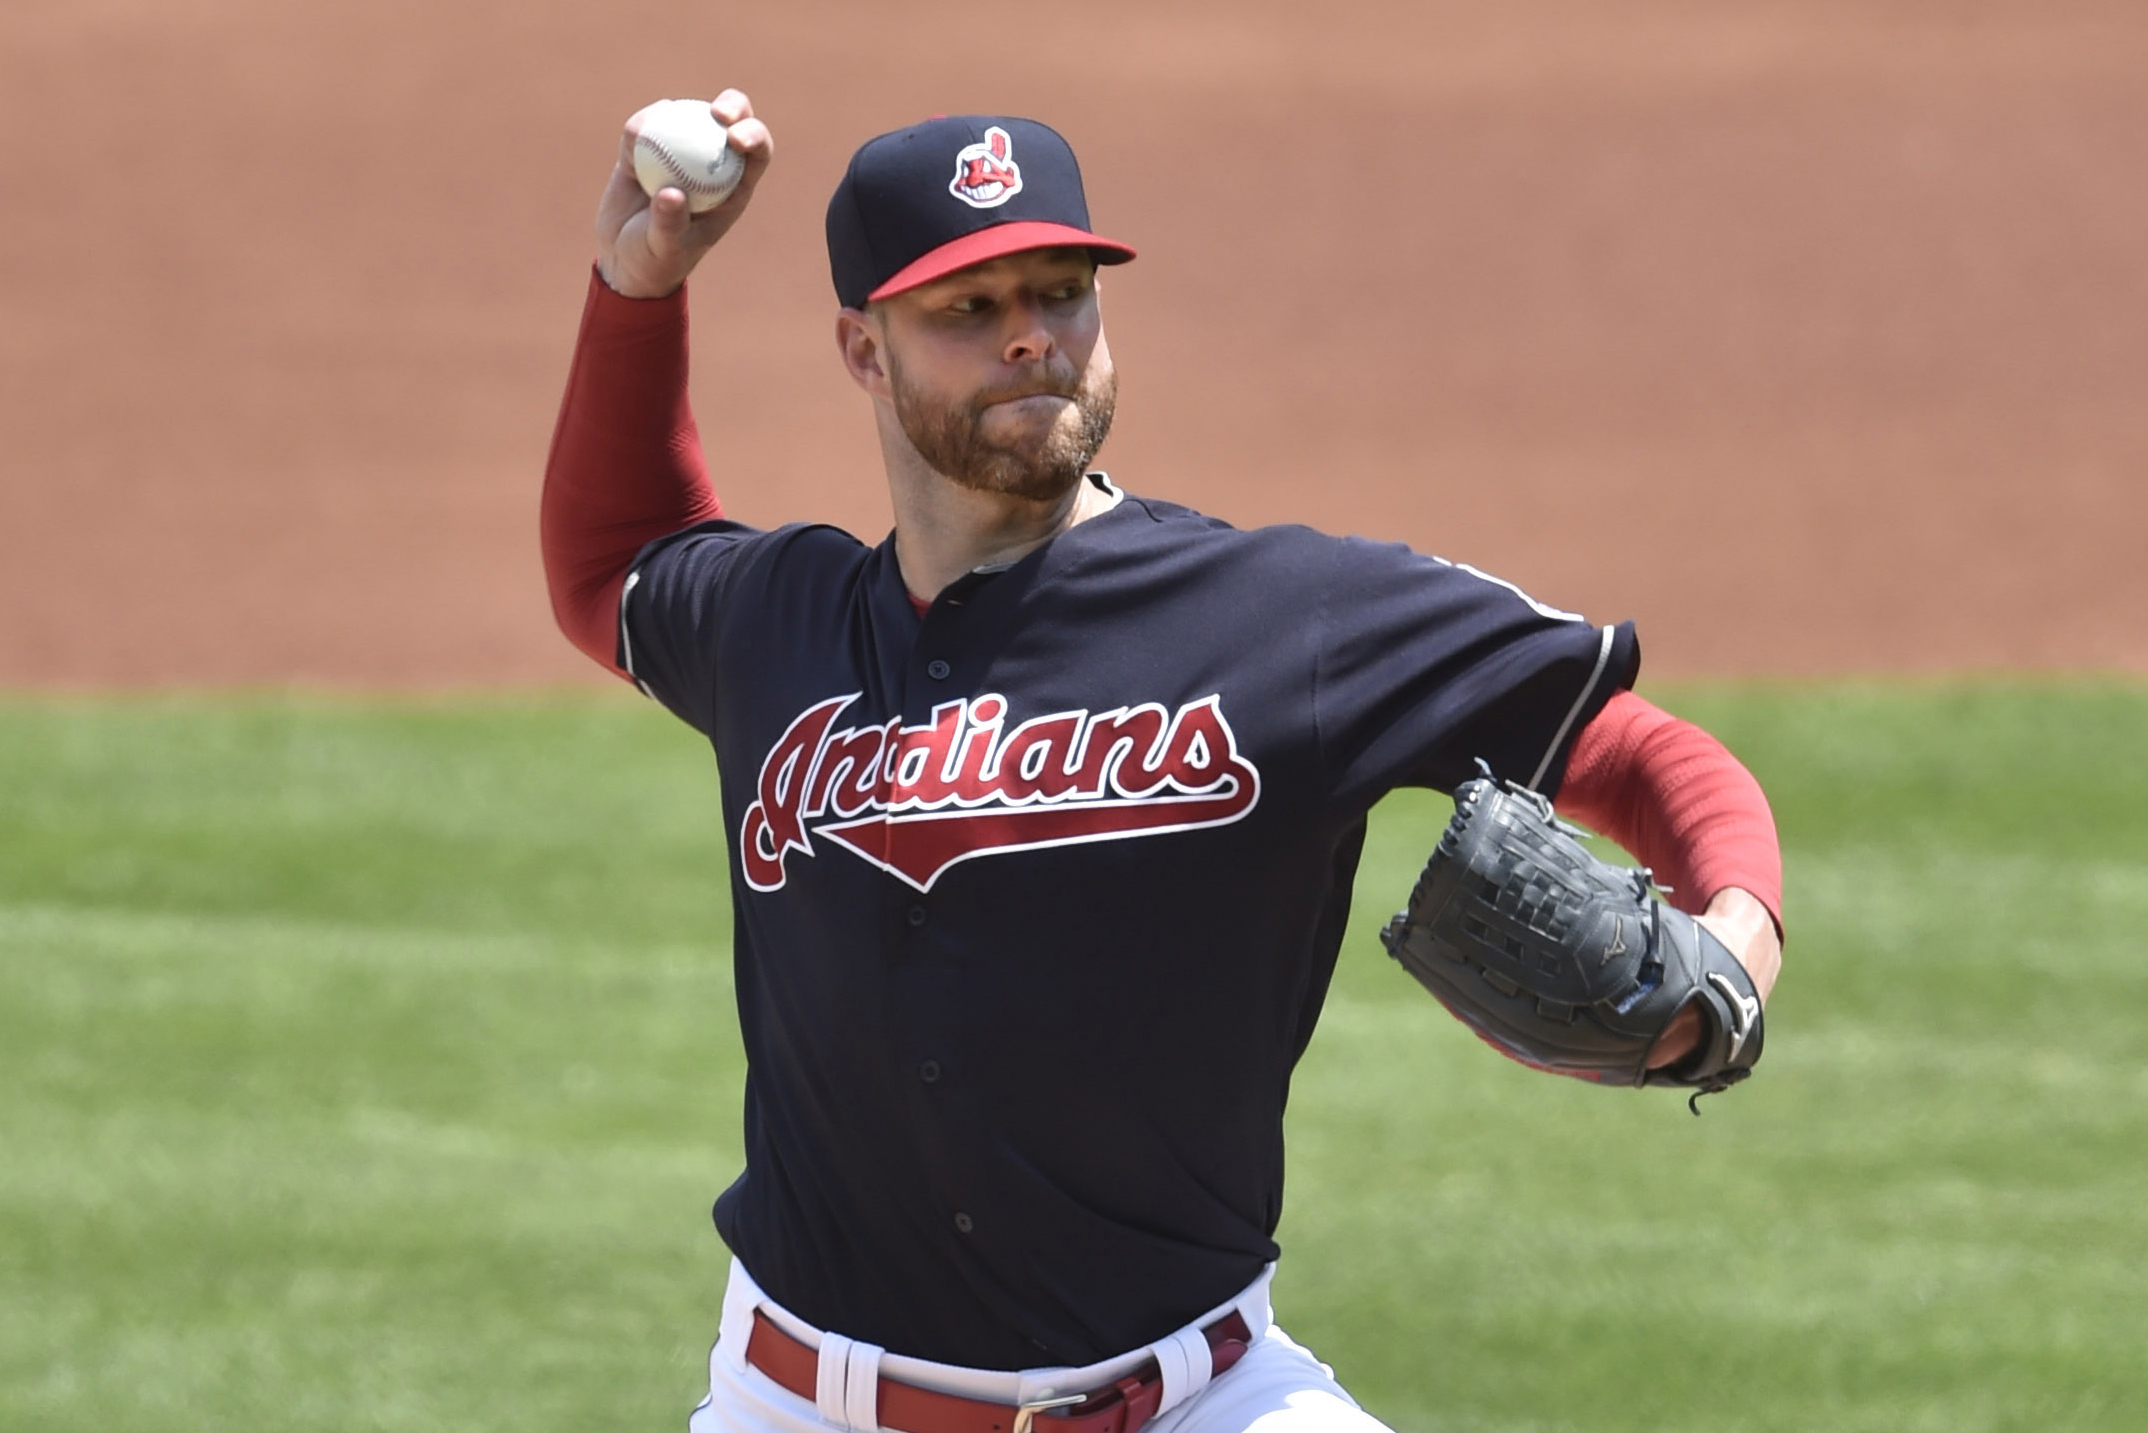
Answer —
680 145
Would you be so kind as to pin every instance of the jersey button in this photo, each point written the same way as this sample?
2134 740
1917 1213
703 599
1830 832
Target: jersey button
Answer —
964 1223
929 1072
937 670
917 915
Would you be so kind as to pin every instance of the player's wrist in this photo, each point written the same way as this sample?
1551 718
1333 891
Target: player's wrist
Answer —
1745 925
1679 1039
624 281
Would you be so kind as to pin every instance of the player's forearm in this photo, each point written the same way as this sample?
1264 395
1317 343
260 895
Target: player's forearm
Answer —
625 466
1673 796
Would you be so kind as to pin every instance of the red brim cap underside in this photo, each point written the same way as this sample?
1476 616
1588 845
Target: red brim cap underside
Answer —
994 243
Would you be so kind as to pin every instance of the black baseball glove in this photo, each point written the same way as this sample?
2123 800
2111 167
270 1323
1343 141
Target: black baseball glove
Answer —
1563 961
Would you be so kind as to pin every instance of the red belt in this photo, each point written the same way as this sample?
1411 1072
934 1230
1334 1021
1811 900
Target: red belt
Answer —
1119 1407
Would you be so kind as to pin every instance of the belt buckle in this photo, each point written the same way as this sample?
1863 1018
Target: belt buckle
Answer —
1024 1413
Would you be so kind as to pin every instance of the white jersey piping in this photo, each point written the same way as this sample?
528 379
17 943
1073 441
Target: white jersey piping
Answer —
626 641
1603 658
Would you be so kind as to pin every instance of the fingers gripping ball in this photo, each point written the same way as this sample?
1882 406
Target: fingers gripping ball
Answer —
1565 962
680 145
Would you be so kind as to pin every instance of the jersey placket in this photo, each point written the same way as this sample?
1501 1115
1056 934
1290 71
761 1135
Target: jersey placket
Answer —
930 965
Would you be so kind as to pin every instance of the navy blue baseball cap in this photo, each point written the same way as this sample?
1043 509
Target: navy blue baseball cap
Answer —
922 202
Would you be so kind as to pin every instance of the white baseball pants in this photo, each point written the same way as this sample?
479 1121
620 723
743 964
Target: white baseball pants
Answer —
1276 1387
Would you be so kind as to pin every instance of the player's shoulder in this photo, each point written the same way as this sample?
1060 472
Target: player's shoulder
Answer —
736 546
1351 565
1156 547
1175 524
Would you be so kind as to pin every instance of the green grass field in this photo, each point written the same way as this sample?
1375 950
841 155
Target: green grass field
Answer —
371 1066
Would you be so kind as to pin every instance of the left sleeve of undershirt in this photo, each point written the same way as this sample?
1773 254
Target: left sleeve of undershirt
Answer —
1674 797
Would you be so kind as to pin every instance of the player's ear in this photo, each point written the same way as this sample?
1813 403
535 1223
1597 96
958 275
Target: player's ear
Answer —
862 340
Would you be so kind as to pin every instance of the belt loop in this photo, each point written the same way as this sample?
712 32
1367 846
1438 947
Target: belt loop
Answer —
740 1296
1253 1305
1187 1366
831 1389
861 1388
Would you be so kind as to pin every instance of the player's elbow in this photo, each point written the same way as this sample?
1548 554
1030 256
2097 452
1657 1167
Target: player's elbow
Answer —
587 611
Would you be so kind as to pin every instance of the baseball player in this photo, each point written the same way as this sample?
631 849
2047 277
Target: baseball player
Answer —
1042 815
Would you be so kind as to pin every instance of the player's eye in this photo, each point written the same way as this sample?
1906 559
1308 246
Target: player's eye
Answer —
969 304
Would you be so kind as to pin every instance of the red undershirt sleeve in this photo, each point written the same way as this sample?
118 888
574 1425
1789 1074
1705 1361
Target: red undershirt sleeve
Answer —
1678 801
626 465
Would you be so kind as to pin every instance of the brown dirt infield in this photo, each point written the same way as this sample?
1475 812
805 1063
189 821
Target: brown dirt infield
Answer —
1812 335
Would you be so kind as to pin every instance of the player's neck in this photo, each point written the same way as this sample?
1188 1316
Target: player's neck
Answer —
943 530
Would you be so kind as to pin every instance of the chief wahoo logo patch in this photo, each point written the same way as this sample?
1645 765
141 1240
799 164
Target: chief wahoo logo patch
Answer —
986 175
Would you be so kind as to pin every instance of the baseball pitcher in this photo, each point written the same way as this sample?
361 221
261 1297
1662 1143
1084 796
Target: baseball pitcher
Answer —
1043 813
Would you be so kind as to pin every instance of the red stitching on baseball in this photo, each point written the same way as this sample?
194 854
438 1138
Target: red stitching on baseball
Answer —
671 164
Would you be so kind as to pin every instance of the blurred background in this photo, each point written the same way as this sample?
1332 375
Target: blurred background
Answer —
366 1050
1812 335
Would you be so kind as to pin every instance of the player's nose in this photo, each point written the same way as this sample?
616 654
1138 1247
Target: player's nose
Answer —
1027 337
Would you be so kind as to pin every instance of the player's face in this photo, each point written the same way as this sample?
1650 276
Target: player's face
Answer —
1000 374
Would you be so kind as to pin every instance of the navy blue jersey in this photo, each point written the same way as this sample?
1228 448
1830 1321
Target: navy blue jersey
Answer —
1037 896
